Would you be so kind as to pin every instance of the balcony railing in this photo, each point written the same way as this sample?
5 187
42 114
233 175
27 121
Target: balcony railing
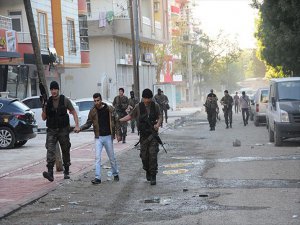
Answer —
5 23
24 37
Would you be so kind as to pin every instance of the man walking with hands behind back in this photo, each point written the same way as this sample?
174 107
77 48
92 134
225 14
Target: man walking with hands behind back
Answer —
102 117
149 117
245 103
58 128
121 104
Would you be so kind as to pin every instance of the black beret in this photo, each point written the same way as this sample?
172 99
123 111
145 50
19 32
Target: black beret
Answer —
54 85
147 93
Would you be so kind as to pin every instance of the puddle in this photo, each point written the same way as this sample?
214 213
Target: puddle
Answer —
172 172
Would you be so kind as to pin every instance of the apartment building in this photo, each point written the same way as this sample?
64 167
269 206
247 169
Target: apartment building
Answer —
60 25
111 65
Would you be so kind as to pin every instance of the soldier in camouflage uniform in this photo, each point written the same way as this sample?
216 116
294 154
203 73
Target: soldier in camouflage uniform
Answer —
211 107
227 102
147 114
132 102
121 103
161 100
58 128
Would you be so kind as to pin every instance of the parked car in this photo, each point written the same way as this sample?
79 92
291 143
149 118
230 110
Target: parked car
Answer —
251 109
17 123
283 111
35 105
85 104
259 106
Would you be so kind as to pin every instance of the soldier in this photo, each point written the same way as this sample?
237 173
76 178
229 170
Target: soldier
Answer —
147 114
211 107
58 128
227 102
166 107
121 104
132 102
161 100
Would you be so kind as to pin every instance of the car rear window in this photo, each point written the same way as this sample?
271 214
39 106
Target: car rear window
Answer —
264 96
86 105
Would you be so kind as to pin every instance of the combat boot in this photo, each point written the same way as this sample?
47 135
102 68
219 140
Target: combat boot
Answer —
230 125
148 176
227 126
49 175
153 180
66 172
124 139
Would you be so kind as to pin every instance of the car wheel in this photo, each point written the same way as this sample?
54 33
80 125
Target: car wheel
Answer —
7 138
271 134
20 143
278 139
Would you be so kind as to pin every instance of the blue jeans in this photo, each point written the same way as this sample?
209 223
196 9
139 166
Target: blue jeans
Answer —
107 142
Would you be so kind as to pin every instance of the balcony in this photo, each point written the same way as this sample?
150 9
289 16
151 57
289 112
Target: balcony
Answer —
120 27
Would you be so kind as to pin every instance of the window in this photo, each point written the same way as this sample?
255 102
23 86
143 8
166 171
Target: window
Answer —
88 6
42 30
16 19
83 31
71 36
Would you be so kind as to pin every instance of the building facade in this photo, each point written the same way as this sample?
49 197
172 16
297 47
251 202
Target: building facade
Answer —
111 64
61 26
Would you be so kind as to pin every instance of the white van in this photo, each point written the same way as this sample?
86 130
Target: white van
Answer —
260 105
283 112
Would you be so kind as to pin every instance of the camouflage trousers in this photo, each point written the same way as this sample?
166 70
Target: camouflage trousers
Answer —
60 135
148 154
212 117
228 116
123 126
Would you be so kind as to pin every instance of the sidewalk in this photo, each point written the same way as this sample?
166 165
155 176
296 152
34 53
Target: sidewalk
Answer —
21 186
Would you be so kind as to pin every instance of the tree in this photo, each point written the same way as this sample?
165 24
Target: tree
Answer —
278 34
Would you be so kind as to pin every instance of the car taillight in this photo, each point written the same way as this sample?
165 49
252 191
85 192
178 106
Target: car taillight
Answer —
20 117
257 107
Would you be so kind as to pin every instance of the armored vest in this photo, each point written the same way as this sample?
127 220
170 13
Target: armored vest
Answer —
57 117
143 124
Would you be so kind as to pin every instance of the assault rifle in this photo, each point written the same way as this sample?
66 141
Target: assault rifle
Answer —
43 96
154 134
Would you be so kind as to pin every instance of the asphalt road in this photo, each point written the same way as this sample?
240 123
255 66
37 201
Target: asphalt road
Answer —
202 179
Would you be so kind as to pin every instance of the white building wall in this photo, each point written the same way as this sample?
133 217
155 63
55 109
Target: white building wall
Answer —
70 11
99 77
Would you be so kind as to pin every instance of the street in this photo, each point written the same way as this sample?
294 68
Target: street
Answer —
203 179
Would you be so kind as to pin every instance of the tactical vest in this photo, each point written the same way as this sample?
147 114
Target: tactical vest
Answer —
143 126
57 118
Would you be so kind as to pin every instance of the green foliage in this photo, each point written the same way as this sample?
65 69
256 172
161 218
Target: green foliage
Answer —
278 35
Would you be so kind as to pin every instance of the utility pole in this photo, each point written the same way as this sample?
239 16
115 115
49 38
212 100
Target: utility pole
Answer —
39 65
135 59
189 58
